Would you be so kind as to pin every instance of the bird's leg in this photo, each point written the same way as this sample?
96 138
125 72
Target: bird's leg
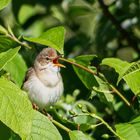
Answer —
43 111
35 106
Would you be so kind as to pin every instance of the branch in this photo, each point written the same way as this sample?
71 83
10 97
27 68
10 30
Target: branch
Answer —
93 73
78 65
131 41
19 42
55 122
119 94
60 125
106 124
93 115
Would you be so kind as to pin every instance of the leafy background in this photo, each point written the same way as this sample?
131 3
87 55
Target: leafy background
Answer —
101 99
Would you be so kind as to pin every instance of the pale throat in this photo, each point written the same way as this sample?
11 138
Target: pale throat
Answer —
50 66
48 74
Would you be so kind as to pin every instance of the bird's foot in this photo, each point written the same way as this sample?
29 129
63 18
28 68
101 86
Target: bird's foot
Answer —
35 106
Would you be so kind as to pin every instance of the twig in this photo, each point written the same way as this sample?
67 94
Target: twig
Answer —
78 65
60 125
117 24
92 72
106 124
55 122
93 115
120 95
19 42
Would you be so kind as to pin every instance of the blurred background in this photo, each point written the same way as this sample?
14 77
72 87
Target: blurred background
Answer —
106 28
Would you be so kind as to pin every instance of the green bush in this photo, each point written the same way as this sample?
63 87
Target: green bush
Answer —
99 42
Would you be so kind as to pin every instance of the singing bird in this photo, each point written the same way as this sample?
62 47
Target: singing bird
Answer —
43 81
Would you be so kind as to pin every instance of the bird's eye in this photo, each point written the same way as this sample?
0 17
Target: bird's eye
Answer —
47 58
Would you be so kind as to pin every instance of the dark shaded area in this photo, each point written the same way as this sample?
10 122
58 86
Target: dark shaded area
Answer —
6 133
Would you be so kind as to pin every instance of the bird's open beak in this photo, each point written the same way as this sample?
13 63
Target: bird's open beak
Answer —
56 63
60 65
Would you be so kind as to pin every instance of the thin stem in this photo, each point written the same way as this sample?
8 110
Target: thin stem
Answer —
78 65
93 126
54 121
60 125
120 95
92 72
106 124
19 42
102 122
98 124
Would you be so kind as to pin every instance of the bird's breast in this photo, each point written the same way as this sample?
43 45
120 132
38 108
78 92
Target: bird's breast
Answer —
49 78
41 94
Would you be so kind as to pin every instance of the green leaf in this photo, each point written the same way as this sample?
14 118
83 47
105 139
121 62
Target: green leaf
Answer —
130 130
23 16
15 108
134 68
16 112
83 119
7 56
54 38
78 135
121 67
79 10
42 128
87 78
132 75
4 3
133 81
17 68
6 43
10 30
103 90
92 81
3 30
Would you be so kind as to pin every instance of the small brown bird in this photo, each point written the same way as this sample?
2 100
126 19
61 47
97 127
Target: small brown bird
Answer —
43 81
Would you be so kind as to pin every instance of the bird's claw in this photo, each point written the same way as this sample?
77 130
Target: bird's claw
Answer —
35 106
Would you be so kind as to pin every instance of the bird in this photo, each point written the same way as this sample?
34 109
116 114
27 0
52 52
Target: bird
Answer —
43 81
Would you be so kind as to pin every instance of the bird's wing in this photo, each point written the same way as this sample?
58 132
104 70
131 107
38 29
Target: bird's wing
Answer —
29 73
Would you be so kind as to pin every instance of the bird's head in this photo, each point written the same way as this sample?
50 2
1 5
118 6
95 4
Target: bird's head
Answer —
48 58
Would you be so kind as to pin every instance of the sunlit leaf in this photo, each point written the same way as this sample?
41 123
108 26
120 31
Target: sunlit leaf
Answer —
4 3
3 30
42 128
134 68
7 56
17 68
119 65
16 112
78 135
132 79
53 37
23 15
130 130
